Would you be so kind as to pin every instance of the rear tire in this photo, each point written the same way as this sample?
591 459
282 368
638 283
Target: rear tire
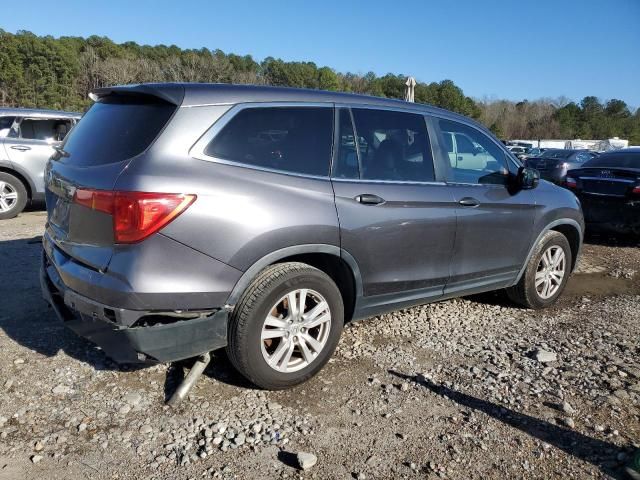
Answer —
539 287
13 196
295 349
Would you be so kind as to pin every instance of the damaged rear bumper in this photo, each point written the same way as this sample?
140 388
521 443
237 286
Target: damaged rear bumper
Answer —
134 336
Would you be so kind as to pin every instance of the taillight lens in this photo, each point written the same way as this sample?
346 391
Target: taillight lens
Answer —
636 190
571 182
136 215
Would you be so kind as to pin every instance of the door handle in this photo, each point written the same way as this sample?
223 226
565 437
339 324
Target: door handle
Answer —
469 202
21 148
369 199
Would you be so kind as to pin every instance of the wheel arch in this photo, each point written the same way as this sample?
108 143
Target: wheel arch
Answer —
571 229
25 181
331 259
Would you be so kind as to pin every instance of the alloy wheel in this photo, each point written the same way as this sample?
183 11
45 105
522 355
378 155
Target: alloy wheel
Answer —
8 196
550 272
296 330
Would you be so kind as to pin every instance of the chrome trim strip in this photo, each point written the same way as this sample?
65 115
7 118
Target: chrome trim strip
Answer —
621 180
392 182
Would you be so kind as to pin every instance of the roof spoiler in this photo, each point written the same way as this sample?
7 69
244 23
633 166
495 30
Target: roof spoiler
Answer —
172 93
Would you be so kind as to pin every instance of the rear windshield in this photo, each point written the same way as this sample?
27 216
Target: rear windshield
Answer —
115 129
620 160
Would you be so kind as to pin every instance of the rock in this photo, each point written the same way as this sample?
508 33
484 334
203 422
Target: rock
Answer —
61 389
567 408
306 460
544 356
239 439
569 422
38 447
133 398
146 429
36 458
18 361
124 409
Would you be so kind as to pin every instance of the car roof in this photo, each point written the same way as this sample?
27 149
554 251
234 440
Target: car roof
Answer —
198 94
37 112
623 151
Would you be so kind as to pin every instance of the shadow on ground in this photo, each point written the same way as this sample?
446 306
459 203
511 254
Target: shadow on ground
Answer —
607 239
597 452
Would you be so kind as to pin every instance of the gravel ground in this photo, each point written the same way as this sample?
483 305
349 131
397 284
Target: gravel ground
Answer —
469 388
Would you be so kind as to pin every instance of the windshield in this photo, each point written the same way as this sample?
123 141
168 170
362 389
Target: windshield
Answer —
619 160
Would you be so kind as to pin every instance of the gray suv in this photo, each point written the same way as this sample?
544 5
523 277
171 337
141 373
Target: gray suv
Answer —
27 140
184 218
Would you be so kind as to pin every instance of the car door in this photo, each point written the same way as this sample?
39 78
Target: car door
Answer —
30 144
396 219
494 219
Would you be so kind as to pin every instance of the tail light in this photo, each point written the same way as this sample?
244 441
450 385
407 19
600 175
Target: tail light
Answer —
636 190
571 182
136 215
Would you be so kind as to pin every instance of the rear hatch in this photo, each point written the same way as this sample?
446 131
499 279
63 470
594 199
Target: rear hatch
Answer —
121 125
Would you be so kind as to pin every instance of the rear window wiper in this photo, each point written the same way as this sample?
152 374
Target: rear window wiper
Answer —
61 151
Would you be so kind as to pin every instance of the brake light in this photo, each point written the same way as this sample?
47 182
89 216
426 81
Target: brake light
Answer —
636 190
571 182
136 215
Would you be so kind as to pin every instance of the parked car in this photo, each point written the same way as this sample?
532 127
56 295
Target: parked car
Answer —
179 223
554 163
518 151
533 152
609 188
27 140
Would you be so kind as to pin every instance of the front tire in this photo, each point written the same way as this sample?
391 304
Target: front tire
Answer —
286 325
13 196
546 274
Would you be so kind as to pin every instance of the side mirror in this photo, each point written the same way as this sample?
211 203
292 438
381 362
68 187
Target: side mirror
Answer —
528 178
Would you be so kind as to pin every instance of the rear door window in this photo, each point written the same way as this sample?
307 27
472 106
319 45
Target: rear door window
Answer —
290 139
115 129
45 129
393 146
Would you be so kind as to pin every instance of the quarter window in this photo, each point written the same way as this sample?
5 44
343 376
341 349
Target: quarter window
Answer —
473 157
5 125
393 146
292 139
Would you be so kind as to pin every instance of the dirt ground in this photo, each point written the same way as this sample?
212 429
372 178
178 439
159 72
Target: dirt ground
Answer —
468 388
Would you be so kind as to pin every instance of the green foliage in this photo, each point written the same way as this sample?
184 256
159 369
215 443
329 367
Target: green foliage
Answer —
594 120
59 73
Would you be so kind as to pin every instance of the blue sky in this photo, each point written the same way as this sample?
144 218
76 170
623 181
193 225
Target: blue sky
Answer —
495 48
